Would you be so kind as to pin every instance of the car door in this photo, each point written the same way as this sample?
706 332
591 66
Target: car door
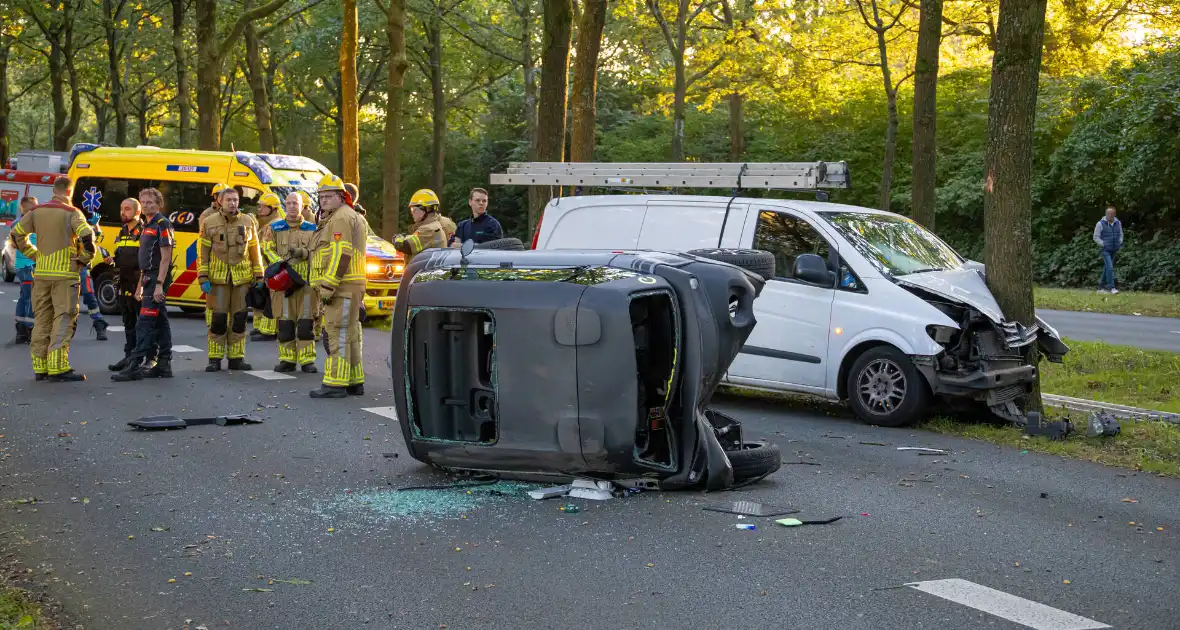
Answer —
790 343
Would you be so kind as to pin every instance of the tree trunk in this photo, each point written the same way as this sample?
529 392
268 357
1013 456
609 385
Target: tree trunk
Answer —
883 194
256 76
530 78
144 135
1007 199
737 127
680 85
395 32
339 120
183 106
438 112
272 67
111 17
585 88
208 77
925 111
555 58
57 89
4 48
348 112
101 120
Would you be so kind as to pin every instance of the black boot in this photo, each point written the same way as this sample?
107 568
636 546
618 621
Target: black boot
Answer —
356 390
162 369
67 377
23 335
240 365
285 366
100 329
120 366
309 368
214 365
327 391
133 371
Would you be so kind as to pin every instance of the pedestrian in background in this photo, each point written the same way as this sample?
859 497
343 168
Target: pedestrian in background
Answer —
1108 234
153 332
125 259
24 275
481 227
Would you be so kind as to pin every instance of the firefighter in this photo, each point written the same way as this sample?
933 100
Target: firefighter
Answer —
58 261
338 278
126 262
89 303
212 209
24 275
309 209
269 210
428 231
290 239
153 333
229 262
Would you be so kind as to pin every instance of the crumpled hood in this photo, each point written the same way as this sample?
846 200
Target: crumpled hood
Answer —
961 285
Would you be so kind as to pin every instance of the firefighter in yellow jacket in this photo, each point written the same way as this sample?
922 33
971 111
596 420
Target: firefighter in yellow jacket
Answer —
291 238
428 229
212 209
230 260
338 278
270 209
60 228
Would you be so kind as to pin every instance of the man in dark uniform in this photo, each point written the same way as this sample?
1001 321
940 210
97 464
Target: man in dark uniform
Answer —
152 330
126 261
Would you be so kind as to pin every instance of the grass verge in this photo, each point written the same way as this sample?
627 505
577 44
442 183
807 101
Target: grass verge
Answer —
1126 303
1116 374
1152 447
18 610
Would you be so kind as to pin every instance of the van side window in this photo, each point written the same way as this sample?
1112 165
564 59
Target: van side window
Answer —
109 193
787 237
184 202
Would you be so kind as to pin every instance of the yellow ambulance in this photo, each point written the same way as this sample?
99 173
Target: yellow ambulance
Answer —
104 176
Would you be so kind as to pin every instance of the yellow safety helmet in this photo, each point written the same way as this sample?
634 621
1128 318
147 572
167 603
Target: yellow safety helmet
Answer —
218 189
333 183
306 197
425 198
270 199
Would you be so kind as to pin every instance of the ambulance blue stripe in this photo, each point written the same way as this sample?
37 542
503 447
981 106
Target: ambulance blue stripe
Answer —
175 168
190 255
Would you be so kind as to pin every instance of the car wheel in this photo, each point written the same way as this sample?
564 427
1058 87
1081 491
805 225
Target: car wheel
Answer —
752 260
755 459
885 388
9 271
106 290
512 244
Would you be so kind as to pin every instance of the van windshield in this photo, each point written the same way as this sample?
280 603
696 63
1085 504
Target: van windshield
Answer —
895 244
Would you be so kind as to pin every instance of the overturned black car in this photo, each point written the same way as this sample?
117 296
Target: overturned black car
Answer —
574 363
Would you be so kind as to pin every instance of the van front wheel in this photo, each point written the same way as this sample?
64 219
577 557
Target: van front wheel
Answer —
885 389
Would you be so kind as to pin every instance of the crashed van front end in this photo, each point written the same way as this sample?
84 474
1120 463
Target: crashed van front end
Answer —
570 364
985 357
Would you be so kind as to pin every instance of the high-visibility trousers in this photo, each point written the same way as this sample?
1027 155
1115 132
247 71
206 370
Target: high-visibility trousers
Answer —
295 325
342 337
227 321
55 319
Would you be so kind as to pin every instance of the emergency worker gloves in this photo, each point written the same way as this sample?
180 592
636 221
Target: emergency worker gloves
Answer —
205 286
298 253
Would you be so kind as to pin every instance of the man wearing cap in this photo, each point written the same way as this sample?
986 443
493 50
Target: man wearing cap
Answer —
290 238
269 210
57 261
230 260
338 278
427 231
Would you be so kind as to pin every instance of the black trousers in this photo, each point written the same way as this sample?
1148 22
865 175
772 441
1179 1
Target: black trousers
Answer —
153 333
130 308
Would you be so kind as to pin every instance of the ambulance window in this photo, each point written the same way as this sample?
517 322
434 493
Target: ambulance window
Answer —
249 199
184 202
102 194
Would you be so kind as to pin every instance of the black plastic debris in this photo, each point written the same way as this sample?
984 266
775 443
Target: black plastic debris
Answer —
750 508
1103 424
1051 430
153 423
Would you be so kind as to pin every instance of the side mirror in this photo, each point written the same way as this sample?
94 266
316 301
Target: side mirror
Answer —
812 269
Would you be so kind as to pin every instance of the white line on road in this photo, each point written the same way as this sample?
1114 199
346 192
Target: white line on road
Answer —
1175 332
116 328
183 348
1015 609
388 412
269 375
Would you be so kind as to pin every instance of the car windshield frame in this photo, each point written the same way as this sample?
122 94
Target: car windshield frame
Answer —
895 245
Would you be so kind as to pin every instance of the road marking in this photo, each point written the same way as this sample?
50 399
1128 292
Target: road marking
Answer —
387 412
1015 609
186 349
269 375
116 328
1175 332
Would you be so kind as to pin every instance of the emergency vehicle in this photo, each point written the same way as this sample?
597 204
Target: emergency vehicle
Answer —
27 174
104 176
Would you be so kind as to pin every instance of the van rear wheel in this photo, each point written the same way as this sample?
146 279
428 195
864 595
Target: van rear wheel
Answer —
885 389
752 260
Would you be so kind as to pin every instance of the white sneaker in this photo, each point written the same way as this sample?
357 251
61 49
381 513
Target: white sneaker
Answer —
1103 291
1114 291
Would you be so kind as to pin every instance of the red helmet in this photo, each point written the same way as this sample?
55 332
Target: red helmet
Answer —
280 281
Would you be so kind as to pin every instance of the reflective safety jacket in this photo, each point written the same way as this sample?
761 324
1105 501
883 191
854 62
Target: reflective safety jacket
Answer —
282 240
60 228
228 250
427 234
338 251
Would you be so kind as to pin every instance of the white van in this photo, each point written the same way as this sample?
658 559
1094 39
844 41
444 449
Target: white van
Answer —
864 306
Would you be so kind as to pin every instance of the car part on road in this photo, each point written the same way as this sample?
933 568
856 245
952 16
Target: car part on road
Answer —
750 508
1052 430
795 522
1103 424
568 364
922 450
176 422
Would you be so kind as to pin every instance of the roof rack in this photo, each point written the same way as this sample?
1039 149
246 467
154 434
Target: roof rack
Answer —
794 176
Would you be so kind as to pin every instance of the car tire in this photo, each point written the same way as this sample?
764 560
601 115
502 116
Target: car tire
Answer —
511 244
755 459
885 389
9 275
752 260
106 291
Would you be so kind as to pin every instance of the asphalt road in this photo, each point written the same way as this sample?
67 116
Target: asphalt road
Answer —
1158 333
309 497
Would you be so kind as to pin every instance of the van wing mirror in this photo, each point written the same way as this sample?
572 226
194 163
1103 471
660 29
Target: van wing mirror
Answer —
812 269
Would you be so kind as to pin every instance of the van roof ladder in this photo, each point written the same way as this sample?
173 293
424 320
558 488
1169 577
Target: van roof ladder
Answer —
789 176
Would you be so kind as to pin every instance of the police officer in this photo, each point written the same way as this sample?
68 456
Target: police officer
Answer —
126 262
290 238
338 278
230 261
59 228
427 231
268 212
153 333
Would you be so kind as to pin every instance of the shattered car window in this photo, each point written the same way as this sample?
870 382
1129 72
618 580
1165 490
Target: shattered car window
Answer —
895 244
577 275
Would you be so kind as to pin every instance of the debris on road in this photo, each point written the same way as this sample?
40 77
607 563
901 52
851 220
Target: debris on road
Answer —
549 493
796 522
922 450
750 508
1052 430
746 526
590 489
1103 424
448 501
176 422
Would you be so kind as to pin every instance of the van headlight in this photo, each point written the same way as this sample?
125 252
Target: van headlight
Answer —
941 335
